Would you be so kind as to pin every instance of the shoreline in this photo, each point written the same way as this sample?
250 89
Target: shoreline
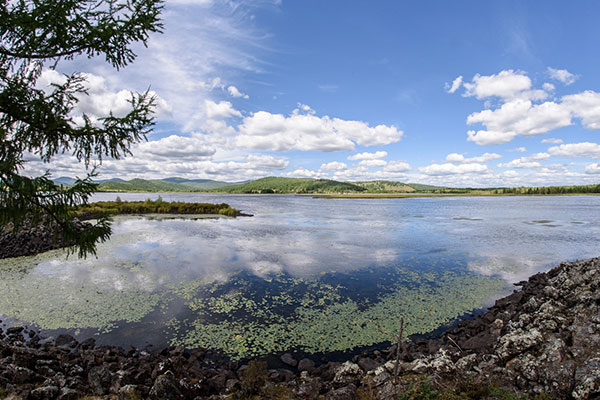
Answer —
543 338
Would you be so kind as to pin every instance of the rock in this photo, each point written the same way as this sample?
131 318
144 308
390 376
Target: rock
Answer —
165 388
130 392
517 342
68 394
306 365
343 393
65 340
347 373
309 388
367 364
44 393
100 379
289 360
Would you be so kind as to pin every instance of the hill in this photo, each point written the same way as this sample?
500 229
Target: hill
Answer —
386 187
198 184
143 185
292 185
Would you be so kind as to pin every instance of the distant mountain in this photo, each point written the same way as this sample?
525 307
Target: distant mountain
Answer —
198 184
263 185
64 180
292 185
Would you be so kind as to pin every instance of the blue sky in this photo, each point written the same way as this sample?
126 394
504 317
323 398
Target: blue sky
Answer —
471 93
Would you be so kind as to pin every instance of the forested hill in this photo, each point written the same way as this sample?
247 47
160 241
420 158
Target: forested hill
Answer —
293 185
161 185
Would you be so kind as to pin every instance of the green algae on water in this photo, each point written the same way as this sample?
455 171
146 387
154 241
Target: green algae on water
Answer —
325 317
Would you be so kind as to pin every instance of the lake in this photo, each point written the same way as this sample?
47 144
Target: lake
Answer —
313 275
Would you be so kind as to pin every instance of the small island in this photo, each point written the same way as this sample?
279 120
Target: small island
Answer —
33 237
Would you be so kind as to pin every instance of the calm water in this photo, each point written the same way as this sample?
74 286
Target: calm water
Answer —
194 281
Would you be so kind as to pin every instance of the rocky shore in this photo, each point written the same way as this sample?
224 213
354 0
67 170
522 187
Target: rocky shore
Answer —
542 341
32 238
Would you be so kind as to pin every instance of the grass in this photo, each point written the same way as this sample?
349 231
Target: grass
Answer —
108 208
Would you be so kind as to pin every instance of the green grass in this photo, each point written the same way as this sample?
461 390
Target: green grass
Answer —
107 208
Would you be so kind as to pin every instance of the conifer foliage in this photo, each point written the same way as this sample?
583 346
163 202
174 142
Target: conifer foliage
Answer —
40 122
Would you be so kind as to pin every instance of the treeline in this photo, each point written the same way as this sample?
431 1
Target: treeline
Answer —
107 208
541 190
550 190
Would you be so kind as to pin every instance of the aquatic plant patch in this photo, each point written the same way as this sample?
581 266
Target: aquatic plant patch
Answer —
242 320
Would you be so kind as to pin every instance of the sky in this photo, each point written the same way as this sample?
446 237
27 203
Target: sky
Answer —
470 93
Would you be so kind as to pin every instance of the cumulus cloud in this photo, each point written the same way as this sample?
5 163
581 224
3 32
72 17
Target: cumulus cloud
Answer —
526 162
176 147
520 113
305 173
518 150
451 88
452 169
373 163
333 166
268 162
552 141
562 75
506 84
266 131
222 109
396 166
234 92
585 105
517 117
100 100
459 158
368 156
584 149
593 168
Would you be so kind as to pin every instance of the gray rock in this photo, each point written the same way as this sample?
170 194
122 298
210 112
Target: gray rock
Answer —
165 388
343 393
100 379
289 360
306 365
347 373
44 393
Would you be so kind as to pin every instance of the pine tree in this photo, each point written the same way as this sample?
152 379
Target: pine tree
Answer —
38 34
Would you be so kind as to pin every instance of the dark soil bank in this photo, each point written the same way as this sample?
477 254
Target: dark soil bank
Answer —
543 340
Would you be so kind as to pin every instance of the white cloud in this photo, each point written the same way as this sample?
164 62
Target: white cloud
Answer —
333 166
507 84
266 131
552 141
585 105
593 168
304 173
584 149
373 163
234 92
451 169
396 166
455 85
368 156
222 109
562 75
526 162
518 150
173 146
268 162
459 158
100 100
517 117
548 87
